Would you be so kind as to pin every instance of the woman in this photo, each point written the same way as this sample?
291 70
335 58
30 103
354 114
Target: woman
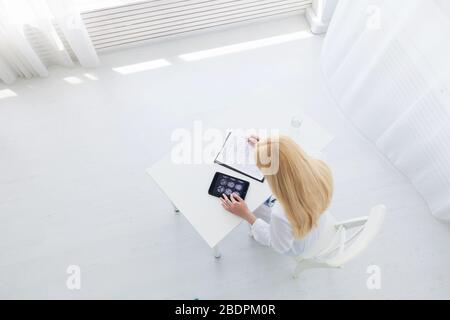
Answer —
303 189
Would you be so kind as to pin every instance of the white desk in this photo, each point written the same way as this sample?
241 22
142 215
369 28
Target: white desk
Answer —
203 211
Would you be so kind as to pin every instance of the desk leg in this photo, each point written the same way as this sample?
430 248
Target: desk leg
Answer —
175 209
217 253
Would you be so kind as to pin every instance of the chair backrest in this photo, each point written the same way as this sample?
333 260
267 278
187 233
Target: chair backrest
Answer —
352 245
341 241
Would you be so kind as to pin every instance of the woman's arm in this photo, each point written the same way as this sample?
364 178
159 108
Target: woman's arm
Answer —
277 234
236 205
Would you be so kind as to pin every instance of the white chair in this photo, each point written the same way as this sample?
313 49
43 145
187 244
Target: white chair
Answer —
340 242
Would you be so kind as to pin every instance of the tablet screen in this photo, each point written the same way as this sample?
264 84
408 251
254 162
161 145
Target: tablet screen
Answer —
225 184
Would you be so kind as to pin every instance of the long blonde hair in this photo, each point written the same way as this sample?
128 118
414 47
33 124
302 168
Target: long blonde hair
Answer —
302 184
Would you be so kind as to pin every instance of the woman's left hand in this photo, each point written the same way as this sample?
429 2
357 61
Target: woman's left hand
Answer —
253 140
236 205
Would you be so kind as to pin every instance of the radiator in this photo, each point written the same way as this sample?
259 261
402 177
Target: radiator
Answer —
140 22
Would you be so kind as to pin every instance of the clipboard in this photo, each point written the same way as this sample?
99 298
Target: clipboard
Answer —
236 154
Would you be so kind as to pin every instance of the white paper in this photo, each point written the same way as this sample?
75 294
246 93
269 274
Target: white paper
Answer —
239 155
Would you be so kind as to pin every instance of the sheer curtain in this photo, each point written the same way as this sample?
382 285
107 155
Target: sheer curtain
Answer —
387 65
35 34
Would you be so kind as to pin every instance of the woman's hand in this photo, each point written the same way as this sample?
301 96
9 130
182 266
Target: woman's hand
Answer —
253 140
237 206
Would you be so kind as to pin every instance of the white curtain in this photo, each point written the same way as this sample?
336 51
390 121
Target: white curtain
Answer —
387 64
35 34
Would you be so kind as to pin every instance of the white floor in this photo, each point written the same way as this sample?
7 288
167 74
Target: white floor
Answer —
73 188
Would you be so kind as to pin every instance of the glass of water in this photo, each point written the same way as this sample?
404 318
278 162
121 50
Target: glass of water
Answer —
296 122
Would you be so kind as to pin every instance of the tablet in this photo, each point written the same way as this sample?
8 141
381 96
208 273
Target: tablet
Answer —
225 184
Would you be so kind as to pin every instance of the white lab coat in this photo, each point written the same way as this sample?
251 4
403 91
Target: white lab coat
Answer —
273 229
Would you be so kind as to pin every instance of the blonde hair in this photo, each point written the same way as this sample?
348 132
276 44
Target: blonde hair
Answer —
302 184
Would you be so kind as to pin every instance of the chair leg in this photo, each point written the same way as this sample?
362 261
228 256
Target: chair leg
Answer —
175 209
299 268
305 265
